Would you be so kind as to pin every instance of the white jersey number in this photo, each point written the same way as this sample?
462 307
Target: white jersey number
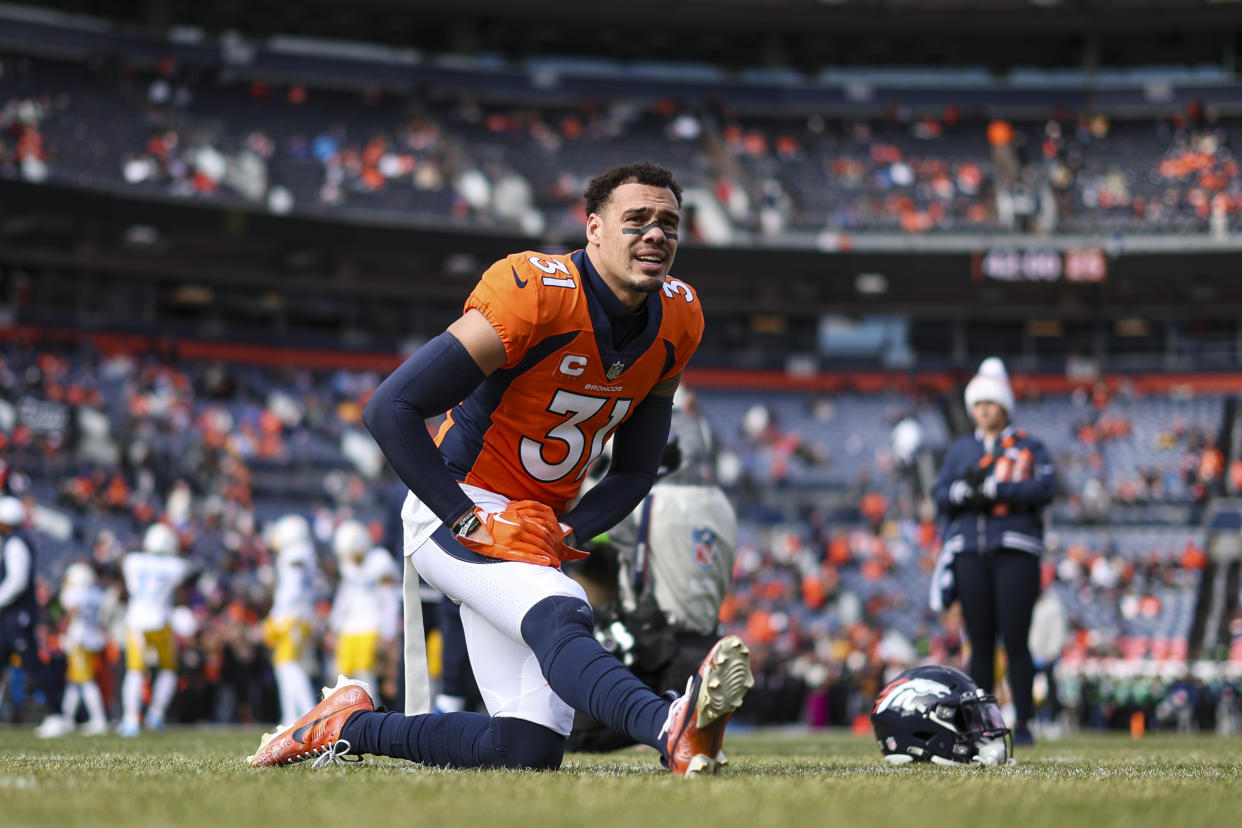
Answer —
152 587
551 266
675 287
577 441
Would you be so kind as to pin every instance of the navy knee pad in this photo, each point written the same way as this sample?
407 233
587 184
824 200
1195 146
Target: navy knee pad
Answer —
518 743
554 621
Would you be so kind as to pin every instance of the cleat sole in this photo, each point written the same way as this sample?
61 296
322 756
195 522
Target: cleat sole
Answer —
725 687
702 765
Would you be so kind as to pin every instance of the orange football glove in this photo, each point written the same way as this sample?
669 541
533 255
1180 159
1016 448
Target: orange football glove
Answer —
543 515
547 518
525 531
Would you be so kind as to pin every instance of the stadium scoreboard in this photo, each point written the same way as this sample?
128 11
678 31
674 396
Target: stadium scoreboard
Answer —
1085 265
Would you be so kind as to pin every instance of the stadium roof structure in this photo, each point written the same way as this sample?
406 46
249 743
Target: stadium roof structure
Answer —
804 34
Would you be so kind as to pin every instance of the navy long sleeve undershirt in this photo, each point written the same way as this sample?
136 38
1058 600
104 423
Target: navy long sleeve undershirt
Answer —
636 454
437 377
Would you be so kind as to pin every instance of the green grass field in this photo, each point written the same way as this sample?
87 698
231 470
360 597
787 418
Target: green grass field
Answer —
188 777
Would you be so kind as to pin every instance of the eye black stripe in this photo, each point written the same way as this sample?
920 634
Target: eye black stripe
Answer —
642 231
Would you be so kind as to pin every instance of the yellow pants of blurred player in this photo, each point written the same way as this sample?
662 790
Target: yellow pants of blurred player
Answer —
286 638
84 665
139 642
357 653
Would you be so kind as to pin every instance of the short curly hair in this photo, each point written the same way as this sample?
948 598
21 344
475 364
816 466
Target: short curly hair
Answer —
641 172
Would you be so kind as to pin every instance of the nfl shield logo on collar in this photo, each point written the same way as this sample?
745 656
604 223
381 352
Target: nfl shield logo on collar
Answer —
614 370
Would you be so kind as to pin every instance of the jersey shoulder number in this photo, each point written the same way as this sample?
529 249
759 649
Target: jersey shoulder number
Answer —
675 288
522 275
551 271
683 309
522 294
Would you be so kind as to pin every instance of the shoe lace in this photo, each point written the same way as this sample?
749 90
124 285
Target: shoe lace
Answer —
679 702
337 753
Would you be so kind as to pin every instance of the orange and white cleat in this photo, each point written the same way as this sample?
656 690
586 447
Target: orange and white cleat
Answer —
696 722
317 735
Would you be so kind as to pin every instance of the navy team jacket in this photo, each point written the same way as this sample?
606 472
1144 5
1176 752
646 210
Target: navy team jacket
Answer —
1024 484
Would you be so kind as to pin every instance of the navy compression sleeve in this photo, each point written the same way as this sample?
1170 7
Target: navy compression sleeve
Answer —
635 459
437 377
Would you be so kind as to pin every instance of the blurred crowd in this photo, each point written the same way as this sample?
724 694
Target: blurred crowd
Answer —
100 446
837 540
833 599
1075 172
453 155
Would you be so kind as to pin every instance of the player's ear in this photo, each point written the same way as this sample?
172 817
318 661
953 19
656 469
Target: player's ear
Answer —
593 225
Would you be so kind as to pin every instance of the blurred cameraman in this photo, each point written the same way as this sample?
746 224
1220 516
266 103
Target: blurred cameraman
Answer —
658 578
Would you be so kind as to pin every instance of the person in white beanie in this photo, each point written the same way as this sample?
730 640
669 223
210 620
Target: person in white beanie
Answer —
992 490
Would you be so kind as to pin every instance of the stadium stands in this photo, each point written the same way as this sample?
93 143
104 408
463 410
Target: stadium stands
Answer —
834 562
474 154
837 539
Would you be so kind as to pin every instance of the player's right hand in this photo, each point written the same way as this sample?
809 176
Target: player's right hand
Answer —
557 530
525 531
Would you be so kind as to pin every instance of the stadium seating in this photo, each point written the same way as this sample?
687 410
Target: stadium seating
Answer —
837 544
453 153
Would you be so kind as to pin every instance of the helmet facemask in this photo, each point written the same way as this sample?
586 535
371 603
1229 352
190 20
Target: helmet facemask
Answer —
981 734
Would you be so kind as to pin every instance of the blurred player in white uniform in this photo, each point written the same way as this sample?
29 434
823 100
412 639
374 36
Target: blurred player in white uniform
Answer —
151 579
287 629
355 617
84 643
362 620
382 569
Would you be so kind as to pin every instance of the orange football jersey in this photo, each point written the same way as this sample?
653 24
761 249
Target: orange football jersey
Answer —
533 428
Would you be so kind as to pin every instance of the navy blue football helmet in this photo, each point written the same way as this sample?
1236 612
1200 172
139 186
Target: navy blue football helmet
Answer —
937 714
